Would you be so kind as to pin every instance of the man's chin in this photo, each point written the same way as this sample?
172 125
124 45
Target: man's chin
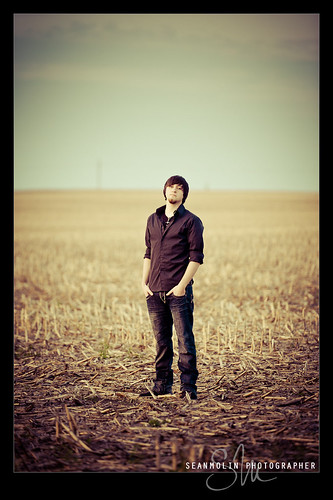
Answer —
173 201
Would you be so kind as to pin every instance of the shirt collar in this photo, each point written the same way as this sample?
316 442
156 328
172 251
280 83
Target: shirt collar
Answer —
161 210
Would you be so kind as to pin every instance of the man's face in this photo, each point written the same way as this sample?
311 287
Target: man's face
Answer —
174 194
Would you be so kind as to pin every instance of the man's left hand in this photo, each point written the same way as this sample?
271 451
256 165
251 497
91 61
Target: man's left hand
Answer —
178 291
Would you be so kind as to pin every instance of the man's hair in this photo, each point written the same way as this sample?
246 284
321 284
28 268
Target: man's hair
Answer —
177 179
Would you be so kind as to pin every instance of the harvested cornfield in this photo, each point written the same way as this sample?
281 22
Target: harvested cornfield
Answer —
84 349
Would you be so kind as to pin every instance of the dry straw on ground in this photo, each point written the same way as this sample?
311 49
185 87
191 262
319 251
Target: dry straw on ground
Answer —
84 348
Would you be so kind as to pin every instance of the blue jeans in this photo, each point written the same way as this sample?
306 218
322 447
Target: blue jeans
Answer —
164 312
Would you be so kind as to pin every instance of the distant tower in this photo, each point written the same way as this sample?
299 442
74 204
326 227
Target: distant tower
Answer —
99 169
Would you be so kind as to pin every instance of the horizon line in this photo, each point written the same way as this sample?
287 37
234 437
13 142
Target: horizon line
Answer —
98 190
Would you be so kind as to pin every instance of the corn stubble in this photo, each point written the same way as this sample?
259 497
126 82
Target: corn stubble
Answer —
84 348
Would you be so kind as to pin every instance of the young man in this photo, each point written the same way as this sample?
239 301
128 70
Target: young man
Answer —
174 252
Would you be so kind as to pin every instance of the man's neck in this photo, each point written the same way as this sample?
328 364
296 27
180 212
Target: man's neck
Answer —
170 208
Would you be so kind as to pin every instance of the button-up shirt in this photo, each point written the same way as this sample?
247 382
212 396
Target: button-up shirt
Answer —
171 247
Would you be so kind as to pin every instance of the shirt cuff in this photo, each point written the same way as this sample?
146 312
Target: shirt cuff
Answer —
196 257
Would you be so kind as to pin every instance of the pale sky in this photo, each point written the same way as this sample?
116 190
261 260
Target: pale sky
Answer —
229 101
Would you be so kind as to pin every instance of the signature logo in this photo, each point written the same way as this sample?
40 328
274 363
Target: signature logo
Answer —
251 473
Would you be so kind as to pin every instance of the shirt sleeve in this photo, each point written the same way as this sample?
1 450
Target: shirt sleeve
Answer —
147 241
195 239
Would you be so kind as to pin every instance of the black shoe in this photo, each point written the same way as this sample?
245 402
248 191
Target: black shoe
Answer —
188 394
149 394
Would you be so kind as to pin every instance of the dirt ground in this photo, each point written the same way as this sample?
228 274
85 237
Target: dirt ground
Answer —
83 347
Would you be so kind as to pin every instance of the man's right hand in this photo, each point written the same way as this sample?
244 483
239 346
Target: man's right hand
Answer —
146 290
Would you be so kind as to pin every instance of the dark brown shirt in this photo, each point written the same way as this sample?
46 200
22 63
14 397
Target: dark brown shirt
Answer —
171 245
